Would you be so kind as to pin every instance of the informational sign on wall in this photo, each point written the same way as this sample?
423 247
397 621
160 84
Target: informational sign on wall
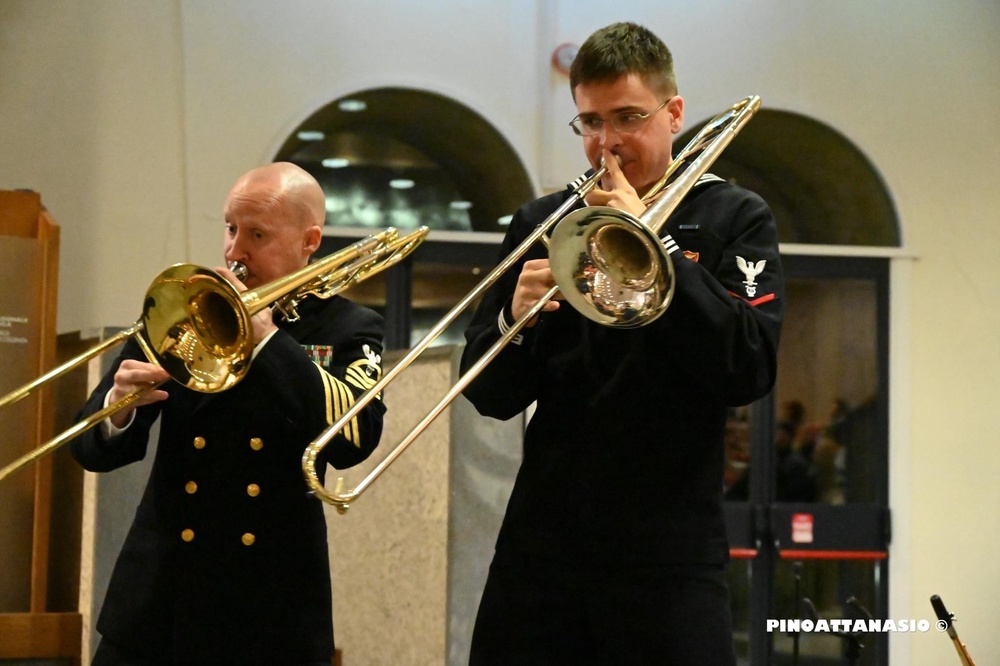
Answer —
22 304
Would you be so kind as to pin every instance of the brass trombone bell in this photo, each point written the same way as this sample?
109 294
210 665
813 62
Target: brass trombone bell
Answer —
615 272
197 328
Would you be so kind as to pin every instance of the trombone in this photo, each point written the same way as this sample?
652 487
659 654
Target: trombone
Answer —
609 265
197 327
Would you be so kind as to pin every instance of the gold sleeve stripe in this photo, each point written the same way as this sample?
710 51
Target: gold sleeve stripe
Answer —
362 382
329 397
351 376
341 405
359 379
353 381
357 375
338 400
362 366
347 399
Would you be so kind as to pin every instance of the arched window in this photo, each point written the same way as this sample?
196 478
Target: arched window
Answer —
403 157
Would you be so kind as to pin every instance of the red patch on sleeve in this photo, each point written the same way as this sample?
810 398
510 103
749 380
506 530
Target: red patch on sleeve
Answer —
767 298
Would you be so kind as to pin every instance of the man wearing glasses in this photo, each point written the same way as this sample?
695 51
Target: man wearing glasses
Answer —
613 546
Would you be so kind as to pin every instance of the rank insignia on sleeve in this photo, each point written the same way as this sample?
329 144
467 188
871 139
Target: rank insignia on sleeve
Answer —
374 361
321 355
365 372
751 271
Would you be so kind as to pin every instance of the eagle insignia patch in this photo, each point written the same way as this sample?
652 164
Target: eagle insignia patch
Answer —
751 271
374 361
321 355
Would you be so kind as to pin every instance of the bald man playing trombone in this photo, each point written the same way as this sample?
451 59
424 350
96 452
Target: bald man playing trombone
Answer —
227 561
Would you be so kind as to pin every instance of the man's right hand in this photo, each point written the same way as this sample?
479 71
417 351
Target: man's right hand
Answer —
533 282
130 377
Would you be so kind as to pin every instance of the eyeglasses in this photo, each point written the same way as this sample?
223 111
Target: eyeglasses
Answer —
625 122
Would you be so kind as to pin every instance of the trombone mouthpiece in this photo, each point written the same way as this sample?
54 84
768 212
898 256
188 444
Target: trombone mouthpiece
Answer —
239 270
618 159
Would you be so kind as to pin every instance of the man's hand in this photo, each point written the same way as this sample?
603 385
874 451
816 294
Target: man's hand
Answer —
533 282
262 322
616 192
130 377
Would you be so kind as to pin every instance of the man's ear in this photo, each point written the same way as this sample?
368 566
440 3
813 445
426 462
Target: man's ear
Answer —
312 239
675 107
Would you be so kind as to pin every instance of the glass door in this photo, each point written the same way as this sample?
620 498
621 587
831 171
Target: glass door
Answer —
806 479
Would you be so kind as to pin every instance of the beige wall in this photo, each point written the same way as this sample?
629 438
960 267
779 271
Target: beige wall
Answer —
90 117
389 551
133 117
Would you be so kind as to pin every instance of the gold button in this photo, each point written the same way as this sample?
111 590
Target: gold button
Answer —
248 539
187 535
191 487
253 490
199 442
256 443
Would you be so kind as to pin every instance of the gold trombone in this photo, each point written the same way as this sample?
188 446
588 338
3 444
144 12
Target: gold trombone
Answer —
197 327
609 265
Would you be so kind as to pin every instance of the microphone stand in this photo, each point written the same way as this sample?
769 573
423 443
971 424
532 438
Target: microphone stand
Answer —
811 614
854 644
798 601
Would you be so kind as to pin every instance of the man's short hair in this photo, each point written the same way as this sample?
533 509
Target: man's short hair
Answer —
621 49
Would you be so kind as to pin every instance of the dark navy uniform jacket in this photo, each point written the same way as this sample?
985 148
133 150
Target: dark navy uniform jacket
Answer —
227 560
623 457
